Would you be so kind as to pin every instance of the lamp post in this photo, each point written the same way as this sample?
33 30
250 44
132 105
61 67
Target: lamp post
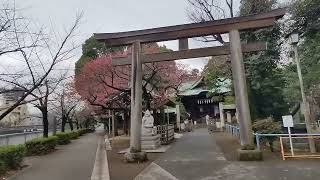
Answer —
294 40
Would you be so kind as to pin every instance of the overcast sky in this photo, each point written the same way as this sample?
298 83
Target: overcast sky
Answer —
110 16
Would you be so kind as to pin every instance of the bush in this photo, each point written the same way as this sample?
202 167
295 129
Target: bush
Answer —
11 157
267 126
2 167
63 138
73 134
81 132
84 131
40 146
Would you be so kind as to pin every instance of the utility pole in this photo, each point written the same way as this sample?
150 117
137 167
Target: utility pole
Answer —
306 107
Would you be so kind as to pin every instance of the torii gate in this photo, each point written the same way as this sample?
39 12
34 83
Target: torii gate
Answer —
182 33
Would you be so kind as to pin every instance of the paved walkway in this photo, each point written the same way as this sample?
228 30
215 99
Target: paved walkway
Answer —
196 157
74 161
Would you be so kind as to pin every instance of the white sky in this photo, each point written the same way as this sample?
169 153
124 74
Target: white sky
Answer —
110 16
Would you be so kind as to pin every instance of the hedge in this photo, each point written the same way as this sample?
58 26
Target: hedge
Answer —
83 131
2 167
11 157
41 146
73 134
63 138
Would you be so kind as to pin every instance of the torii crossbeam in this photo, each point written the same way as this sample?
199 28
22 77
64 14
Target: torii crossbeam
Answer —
182 33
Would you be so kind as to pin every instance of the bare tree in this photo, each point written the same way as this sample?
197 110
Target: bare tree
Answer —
39 60
68 105
210 10
42 94
12 26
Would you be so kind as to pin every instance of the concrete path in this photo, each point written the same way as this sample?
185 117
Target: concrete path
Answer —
196 157
74 161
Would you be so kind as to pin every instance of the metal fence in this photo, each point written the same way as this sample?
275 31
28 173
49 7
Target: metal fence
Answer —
166 133
235 130
260 136
18 138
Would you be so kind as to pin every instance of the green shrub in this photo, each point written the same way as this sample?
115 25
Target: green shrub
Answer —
80 132
11 156
73 134
2 167
229 100
40 146
63 138
83 131
267 126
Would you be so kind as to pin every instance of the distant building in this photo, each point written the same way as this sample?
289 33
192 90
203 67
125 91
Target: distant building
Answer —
18 114
200 101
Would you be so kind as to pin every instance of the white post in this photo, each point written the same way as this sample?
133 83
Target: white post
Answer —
290 139
221 115
178 116
168 117
113 124
109 125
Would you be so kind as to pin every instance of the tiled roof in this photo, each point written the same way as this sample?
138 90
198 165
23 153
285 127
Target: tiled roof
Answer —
191 88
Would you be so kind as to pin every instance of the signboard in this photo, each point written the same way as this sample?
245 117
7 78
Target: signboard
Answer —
287 121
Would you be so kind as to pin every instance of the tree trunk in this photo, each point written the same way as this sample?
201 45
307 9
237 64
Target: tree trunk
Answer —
70 123
63 123
114 125
125 122
156 118
271 146
54 131
148 102
45 121
162 116
77 124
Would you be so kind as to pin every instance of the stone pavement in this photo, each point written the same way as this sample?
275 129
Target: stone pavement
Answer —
196 157
72 161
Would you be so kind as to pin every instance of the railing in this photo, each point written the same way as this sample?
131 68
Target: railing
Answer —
166 133
18 138
234 130
259 136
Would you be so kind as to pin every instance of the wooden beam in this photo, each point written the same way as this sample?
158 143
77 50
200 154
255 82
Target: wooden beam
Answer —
190 53
255 21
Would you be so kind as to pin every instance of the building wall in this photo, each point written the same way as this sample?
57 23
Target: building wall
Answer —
16 116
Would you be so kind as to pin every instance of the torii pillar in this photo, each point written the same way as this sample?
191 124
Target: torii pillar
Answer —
135 154
240 87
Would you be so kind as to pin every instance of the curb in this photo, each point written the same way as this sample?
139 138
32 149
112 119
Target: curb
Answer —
19 172
101 169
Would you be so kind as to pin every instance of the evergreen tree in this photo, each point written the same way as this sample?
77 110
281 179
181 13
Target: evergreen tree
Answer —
306 21
92 49
264 77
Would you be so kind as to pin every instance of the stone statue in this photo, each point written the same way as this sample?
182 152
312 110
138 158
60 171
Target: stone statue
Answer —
147 124
149 139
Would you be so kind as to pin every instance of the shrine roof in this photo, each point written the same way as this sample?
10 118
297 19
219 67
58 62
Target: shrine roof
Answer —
193 88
